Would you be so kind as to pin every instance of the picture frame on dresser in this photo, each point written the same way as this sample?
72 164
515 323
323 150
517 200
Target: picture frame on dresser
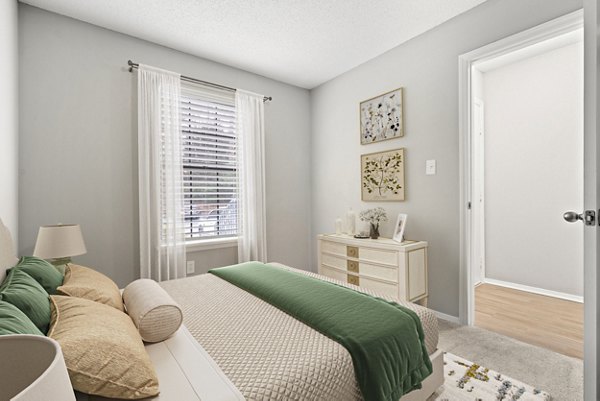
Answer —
399 227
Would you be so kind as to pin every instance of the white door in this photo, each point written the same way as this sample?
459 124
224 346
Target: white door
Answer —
591 197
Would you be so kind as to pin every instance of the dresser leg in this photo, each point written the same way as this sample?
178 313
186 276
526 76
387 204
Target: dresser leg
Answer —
422 302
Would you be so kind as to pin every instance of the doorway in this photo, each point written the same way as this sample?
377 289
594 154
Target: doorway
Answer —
524 169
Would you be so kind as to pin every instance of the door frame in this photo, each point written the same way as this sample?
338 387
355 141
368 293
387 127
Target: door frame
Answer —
477 210
591 196
559 26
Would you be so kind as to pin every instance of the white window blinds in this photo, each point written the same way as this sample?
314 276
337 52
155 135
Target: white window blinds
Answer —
209 163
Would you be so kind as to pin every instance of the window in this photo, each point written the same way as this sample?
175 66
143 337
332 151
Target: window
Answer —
209 164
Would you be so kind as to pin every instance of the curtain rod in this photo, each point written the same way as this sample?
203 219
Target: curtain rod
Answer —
133 65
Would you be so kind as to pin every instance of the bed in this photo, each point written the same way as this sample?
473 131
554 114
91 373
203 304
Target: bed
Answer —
234 346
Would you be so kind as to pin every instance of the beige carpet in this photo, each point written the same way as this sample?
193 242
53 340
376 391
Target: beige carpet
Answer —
559 375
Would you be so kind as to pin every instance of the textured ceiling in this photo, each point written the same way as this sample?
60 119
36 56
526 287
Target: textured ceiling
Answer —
301 42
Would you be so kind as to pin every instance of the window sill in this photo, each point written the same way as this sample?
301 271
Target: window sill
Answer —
207 244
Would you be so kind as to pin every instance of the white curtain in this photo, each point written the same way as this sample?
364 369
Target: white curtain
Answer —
250 126
162 240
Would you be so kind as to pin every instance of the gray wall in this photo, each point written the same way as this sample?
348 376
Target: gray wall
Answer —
78 142
9 116
427 68
534 170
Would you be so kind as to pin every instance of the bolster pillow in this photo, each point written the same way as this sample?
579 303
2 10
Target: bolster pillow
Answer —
156 315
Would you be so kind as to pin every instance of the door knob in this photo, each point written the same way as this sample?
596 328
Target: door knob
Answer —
572 217
589 217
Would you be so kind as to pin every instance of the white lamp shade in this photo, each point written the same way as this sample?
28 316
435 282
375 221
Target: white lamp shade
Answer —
59 241
35 369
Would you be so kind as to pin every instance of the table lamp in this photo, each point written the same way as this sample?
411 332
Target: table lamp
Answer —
58 243
37 369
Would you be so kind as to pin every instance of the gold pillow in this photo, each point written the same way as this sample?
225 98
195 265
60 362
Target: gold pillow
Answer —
83 282
103 350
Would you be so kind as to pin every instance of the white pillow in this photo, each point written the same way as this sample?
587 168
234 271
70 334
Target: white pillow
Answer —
156 315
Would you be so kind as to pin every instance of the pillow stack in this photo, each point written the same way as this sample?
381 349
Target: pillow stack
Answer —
24 304
84 311
103 350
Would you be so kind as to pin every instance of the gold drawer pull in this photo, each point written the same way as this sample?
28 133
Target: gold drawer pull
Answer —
352 251
353 279
352 266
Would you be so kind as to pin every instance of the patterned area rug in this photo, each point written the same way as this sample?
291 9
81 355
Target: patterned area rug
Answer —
467 381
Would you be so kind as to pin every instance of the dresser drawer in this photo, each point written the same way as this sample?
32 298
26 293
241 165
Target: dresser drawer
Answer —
385 273
333 248
333 273
354 266
336 261
379 256
391 290
380 287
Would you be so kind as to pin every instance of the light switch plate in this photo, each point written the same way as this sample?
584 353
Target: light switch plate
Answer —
190 266
430 167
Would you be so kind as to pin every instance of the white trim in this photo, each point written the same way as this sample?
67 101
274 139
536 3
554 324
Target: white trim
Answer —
548 30
477 186
534 290
207 244
448 318
591 193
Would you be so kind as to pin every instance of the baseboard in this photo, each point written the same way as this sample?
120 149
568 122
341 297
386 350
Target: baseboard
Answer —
534 290
448 318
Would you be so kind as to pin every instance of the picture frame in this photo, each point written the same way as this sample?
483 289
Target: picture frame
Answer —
382 176
399 227
382 117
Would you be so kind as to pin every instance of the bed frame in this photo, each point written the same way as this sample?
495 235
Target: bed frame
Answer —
183 366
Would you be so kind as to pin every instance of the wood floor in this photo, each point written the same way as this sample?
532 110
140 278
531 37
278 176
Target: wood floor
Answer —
548 322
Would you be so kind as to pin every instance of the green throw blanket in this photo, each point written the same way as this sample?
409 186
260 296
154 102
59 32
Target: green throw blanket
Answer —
385 340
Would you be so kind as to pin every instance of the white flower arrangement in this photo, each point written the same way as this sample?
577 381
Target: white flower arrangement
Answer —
374 216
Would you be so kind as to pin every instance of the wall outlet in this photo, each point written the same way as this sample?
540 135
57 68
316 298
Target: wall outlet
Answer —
190 267
430 167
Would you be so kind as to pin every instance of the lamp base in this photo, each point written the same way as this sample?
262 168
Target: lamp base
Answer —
60 264
60 261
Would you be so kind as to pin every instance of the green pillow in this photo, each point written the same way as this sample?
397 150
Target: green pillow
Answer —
21 290
13 321
43 272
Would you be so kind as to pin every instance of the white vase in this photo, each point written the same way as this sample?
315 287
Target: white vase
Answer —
350 222
338 226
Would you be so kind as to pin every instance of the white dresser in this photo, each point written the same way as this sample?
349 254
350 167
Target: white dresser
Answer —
383 265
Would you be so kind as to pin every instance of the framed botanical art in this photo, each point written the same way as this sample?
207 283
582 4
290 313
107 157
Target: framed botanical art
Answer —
382 176
382 118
